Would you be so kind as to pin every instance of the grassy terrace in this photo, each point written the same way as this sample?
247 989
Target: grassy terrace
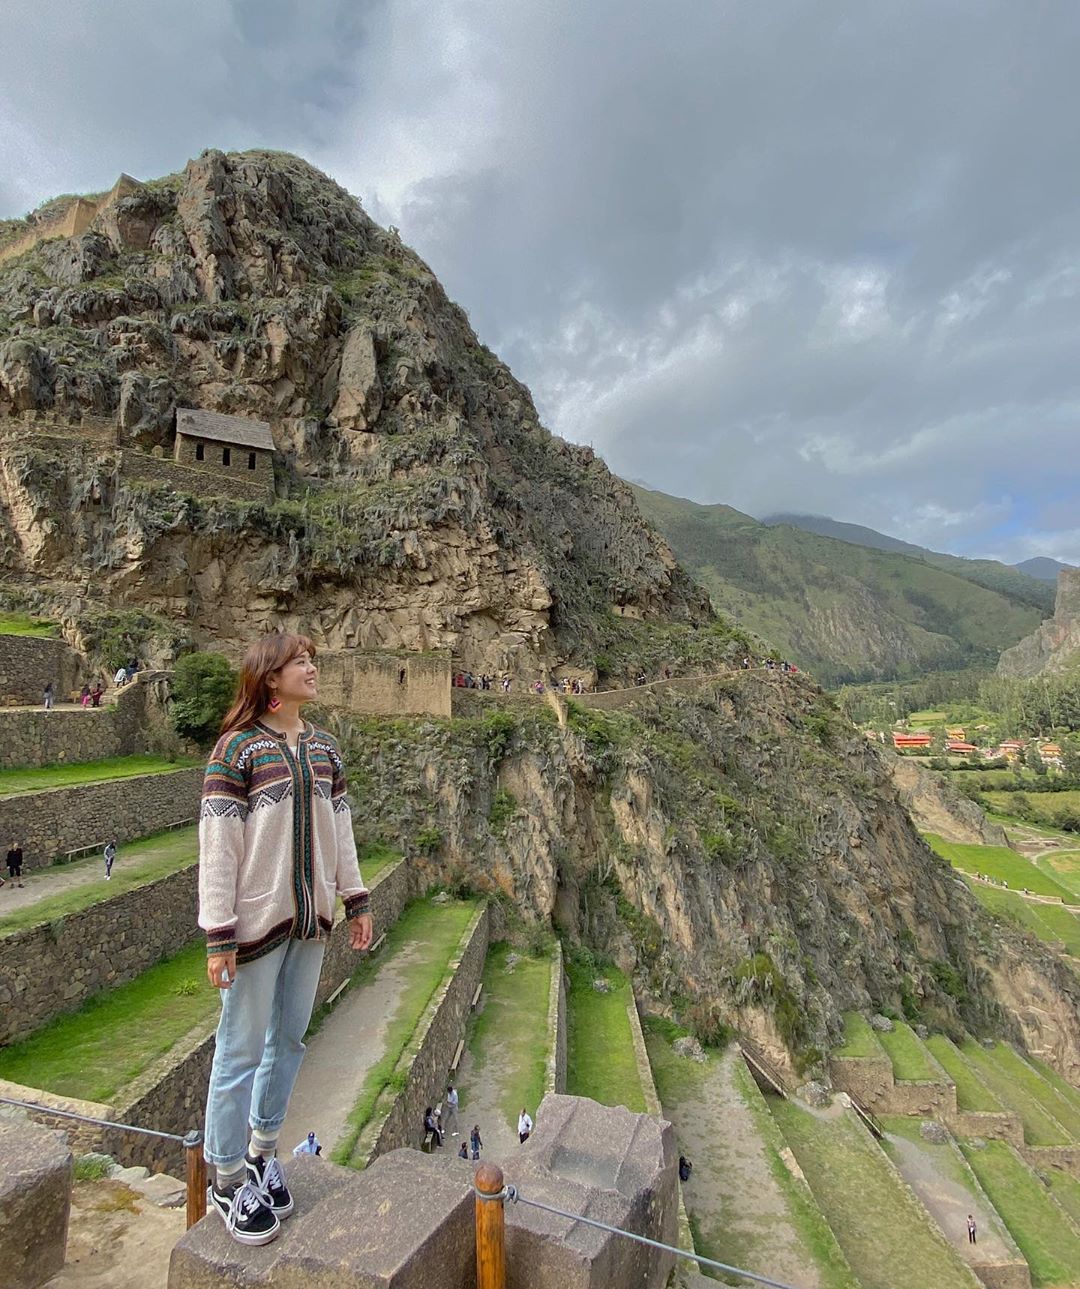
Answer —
1066 1190
971 1092
998 1073
1046 1238
1064 867
600 1059
1046 921
859 1039
96 1051
67 776
908 1056
508 1036
374 857
1001 863
1030 1077
22 624
434 931
1043 804
142 862
881 1228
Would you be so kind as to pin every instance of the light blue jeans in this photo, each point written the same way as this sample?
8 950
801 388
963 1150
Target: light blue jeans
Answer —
259 1047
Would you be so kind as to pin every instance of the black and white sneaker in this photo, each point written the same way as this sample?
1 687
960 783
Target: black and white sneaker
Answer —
247 1217
268 1178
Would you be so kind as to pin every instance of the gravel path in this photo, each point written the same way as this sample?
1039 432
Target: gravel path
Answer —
341 1053
43 882
484 1090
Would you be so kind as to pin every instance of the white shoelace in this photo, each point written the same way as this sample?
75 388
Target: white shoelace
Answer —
273 1177
246 1200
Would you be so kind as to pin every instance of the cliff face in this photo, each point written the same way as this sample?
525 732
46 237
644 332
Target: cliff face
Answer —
1055 646
936 806
741 849
420 503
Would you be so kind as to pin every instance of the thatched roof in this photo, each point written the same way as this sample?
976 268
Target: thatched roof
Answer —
241 431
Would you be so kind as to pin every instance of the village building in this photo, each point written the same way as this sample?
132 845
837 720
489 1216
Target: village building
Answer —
237 446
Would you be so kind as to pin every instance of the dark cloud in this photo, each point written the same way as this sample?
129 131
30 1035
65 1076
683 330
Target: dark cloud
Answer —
795 255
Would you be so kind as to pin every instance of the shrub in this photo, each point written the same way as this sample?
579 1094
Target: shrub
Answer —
202 690
428 839
503 808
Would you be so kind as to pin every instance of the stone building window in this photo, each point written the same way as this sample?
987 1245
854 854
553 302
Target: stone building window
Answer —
226 456
251 460
200 451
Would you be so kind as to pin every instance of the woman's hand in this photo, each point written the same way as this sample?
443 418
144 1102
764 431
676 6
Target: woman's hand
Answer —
360 932
218 965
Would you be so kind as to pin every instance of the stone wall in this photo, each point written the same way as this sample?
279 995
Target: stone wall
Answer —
386 683
397 1119
57 966
199 481
82 1137
994 1127
1067 1158
49 824
28 664
555 1075
248 465
871 1081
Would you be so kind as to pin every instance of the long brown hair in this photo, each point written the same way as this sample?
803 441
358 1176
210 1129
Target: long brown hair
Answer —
262 659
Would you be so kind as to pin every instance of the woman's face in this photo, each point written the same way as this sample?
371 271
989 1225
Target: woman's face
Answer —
297 681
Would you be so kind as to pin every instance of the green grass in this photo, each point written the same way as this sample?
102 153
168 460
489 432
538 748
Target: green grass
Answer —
374 857
511 1029
1000 863
67 776
908 1056
859 1039
22 624
111 1039
1063 1086
600 1060
997 1072
436 929
879 1225
926 718
1043 804
1047 921
1065 1189
138 863
1026 1075
1064 867
971 1092
1050 1245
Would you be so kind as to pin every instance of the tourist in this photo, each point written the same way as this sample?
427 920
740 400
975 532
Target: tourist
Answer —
685 1168
474 1141
971 1230
132 669
432 1125
311 1145
525 1126
110 856
451 1110
48 697
506 684
96 694
276 849
14 864
84 696
121 677
463 1150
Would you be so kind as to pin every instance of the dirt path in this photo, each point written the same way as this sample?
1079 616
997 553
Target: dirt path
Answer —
484 1089
732 1196
948 1203
43 882
341 1053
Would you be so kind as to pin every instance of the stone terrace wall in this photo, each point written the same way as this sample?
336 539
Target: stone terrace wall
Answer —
28 664
984 1123
398 1118
871 1080
555 1075
171 1095
56 967
51 823
365 681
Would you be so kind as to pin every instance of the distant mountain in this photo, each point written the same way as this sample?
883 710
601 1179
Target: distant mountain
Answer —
1055 646
1043 568
847 611
1014 581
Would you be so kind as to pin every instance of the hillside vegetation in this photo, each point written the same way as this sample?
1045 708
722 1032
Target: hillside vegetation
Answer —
845 612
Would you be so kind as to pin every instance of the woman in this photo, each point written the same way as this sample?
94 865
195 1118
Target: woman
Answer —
84 696
276 848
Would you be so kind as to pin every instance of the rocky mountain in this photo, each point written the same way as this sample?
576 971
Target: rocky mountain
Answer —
419 501
846 612
1055 646
1043 568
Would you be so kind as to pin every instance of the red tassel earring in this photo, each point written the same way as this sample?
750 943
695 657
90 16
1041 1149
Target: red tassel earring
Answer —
275 703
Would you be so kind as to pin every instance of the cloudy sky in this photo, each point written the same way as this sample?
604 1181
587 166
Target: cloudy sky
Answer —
788 255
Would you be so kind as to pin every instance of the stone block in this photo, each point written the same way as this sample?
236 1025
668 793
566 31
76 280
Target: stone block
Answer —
36 1173
404 1223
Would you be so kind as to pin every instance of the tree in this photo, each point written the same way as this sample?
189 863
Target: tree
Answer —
203 685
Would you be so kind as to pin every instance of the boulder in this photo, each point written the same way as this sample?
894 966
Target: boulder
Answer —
931 1130
359 393
921 1031
689 1046
36 1173
601 985
815 1094
881 1023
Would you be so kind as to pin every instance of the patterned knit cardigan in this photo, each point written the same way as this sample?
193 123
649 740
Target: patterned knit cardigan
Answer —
276 844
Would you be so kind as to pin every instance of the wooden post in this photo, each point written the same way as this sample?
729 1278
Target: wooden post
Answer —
490 1228
196 1177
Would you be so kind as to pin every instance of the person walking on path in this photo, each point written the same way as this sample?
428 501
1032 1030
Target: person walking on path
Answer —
451 1110
971 1229
432 1125
311 1145
474 1141
110 857
276 850
84 696
95 694
14 864
525 1126
48 697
